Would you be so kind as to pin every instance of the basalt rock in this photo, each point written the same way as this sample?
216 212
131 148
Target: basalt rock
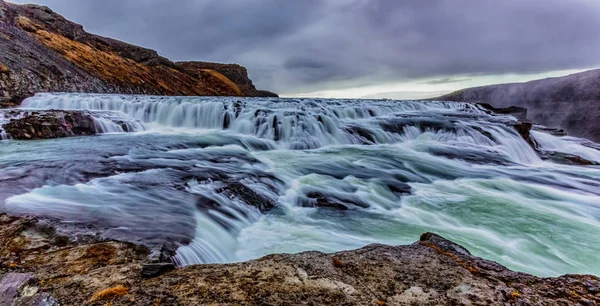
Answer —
519 112
323 199
431 271
552 131
41 51
524 129
248 196
50 124
566 159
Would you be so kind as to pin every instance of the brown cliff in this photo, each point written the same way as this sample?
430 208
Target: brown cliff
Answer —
571 102
42 51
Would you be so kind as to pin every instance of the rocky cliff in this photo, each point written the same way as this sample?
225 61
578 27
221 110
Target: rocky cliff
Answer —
42 51
39 266
571 102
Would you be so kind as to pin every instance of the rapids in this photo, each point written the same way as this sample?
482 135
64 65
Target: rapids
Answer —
387 170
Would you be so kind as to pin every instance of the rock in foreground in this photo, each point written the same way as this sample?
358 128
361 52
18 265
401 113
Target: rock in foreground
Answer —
432 271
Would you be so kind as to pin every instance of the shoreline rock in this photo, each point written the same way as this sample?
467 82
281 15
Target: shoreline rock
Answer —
49 124
519 112
432 270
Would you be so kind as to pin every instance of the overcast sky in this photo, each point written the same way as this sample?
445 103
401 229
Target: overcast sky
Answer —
359 48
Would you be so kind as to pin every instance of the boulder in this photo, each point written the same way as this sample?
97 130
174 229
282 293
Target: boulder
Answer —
248 196
50 124
566 158
524 129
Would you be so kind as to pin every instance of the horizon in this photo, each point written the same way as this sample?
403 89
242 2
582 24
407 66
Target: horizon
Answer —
309 55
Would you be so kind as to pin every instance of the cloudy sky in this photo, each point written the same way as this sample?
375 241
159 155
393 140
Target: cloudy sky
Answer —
359 48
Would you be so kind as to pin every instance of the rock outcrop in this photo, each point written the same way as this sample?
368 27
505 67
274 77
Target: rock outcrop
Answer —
518 112
237 74
571 102
49 124
41 51
38 264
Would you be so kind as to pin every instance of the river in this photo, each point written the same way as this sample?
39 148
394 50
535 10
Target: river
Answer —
341 173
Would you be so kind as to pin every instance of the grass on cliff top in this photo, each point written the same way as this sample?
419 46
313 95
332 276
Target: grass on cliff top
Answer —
107 66
229 83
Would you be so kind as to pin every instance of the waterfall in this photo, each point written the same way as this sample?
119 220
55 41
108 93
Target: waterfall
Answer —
305 123
198 172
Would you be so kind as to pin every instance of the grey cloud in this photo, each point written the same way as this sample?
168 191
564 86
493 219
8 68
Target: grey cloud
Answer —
445 81
304 45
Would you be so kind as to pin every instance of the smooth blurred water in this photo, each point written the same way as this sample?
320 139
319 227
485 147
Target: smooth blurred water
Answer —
473 178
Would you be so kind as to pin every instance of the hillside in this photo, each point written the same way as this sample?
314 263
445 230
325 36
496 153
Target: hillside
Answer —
571 102
42 51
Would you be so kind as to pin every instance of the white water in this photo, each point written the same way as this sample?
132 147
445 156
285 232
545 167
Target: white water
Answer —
473 178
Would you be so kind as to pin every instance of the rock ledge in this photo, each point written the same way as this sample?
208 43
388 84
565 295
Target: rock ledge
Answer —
432 271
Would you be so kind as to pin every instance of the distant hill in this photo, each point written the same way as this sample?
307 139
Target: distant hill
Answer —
571 102
42 51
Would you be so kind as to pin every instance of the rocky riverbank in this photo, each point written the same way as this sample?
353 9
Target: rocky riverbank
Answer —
20 124
48 124
39 266
41 51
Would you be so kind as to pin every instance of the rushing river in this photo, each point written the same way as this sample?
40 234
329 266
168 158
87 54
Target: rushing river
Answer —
386 172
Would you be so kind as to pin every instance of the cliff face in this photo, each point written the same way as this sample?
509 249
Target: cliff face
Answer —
42 51
234 72
571 102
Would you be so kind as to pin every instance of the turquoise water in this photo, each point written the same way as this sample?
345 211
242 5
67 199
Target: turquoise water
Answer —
472 179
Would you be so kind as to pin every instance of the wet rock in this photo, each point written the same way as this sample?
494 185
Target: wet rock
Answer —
276 125
470 155
226 121
398 187
398 125
551 131
51 124
519 112
319 200
334 200
524 129
365 136
248 196
566 159
485 133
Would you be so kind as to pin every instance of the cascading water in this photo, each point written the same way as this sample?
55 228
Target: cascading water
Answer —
342 174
